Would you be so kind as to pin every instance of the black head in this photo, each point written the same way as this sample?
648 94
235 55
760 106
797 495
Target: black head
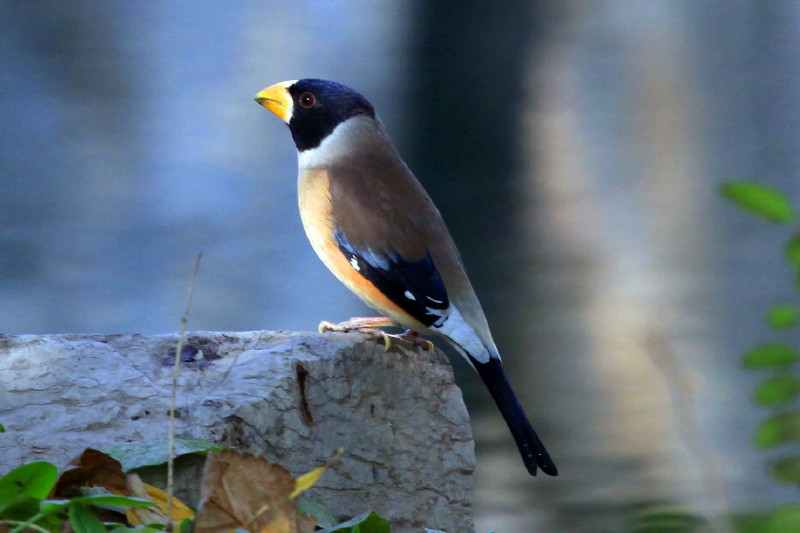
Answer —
318 106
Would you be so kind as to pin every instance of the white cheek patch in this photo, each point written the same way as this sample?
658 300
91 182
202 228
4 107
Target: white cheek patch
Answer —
456 329
289 110
290 107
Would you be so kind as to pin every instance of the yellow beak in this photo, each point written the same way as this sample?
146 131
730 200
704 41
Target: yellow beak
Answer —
276 98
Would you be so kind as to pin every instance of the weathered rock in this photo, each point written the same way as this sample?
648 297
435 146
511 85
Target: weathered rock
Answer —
293 397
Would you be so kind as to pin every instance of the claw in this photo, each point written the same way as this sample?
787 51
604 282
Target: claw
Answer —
329 326
372 325
387 340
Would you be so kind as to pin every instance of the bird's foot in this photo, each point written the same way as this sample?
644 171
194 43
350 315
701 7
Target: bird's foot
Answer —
371 325
358 323
362 324
417 340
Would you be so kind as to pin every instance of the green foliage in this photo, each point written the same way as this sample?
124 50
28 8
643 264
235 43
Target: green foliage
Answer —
786 469
779 391
35 479
325 518
783 316
760 200
785 520
366 523
780 521
83 521
778 429
793 251
24 507
666 519
769 356
156 452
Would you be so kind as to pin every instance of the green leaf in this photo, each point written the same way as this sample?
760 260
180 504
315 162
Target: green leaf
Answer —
152 453
776 391
786 469
783 316
34 479
366 523
793 251
20 507
769 355
665 519
750 523
777 429
149 528
48 507
325 518
186 525
83 521
2 428
758 199
785 520
113 500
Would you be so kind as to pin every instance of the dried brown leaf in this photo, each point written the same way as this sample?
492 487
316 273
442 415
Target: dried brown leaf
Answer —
92 468
242 491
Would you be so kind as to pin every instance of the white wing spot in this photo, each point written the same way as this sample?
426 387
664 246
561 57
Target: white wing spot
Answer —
408 295
354 264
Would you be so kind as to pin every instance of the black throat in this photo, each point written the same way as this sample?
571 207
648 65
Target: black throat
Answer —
333 104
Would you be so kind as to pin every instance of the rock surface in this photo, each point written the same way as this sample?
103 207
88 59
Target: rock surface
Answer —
293 397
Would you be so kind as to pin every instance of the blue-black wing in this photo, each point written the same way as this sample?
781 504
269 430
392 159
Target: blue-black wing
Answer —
415 286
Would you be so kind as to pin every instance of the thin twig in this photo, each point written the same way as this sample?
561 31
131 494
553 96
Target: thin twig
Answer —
176 369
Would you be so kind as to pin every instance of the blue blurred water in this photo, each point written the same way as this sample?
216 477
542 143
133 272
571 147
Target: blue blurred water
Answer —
619 286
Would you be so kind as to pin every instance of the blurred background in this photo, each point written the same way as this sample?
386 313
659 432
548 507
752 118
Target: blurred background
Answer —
574 147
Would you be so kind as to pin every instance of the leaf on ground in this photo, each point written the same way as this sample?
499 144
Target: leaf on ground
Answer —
242 491
758 199
34 479
101 477
156 452
92 468
138 516
306 481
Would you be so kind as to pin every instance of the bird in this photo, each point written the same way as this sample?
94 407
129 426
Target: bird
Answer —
374 226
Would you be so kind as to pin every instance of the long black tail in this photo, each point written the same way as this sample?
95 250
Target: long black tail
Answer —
530 447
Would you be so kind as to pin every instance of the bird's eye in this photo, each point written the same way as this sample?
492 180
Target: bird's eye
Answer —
307 99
